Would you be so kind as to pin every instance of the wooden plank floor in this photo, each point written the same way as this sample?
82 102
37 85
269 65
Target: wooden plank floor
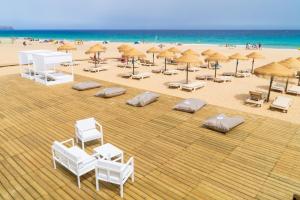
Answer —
175 158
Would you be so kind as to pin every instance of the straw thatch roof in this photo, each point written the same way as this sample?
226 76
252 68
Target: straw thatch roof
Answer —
189 58
66 47
208 52
153 50
191 52
133 53
238 56
255 55
96 49
217 57
166 54
291 63
174 50
274 69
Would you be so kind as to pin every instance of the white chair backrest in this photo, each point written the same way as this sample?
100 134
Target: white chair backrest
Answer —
86 124
64 156
110 170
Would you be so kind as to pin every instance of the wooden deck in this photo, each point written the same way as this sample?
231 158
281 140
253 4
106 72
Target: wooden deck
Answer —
175 158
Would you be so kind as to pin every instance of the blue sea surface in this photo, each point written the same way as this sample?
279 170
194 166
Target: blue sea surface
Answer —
268 38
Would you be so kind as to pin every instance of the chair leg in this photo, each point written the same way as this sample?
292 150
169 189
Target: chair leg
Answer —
121 191
132 176
82 145
76 139
102 141
97 185
78 181
54 164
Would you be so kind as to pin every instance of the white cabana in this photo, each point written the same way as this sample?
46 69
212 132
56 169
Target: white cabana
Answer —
44 66
25 62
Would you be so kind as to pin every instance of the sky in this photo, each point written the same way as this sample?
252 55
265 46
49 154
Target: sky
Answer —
150 14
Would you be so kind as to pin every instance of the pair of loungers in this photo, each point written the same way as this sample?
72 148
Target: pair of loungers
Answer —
136 75
94 69
188 86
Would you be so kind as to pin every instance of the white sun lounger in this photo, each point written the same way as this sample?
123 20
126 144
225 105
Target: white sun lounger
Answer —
193 86
294 90
141 75
193 69
279 87
282 103
171 72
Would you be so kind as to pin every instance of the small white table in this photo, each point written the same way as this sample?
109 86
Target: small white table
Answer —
109 152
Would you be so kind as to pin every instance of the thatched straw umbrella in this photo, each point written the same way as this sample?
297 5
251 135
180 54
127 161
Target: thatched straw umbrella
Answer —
166 55
96 49
208 53
124 47
174 50
189 59
217 57
153 50
133 53
190 52
254 56
291 63
272 70
237 57
66 47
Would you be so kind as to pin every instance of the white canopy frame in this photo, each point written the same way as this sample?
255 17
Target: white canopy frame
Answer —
26 61
44 66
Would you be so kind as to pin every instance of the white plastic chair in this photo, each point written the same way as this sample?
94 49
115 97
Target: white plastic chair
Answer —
74 159
87 130
114 172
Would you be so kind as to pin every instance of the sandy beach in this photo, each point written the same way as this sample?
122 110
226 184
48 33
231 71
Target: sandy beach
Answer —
230 95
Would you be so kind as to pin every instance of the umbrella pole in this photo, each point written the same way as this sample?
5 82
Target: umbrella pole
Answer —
133 66
299 81
271 81
217 63
165 64
236 68
252 66
187 73
153 59
287 84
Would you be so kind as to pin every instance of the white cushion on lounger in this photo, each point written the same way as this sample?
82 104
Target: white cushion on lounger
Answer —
282 103
294 90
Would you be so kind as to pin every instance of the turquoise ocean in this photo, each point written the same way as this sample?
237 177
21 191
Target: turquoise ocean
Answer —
268 38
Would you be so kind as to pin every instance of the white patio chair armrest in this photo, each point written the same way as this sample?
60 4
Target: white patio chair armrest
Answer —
100 126
69 140
130 162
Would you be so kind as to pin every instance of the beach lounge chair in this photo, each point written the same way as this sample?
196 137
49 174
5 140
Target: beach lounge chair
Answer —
147 63
72 158
222 79
193 69
97 69
205 77
193 86
127 74
278 87
111 92
174 85
157 71
114 172
143 99
190 105
181 68
87 130
294 90
243 74
257 98
282 103
228 74
171 72
123 66
141 75
86 85
223 123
